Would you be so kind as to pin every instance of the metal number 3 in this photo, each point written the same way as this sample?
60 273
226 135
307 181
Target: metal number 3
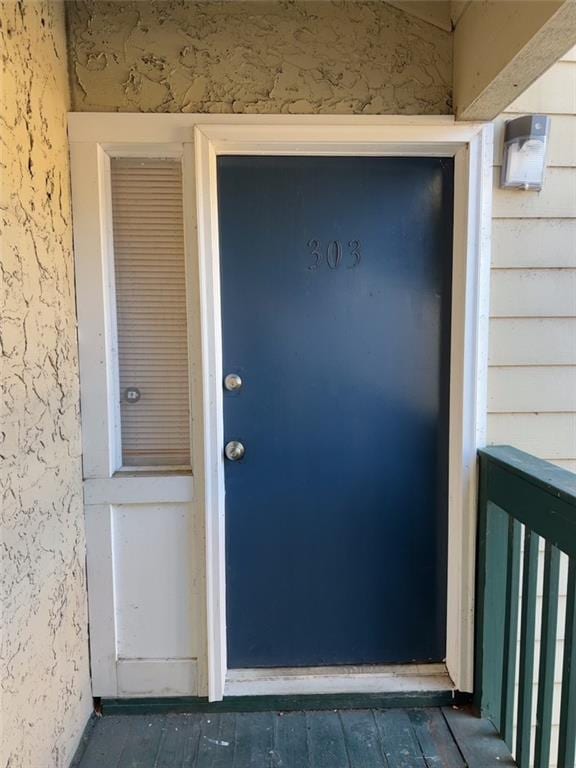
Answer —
314 245
333 253
354 246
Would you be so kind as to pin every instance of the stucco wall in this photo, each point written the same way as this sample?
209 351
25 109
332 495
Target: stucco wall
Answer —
44 673
300 57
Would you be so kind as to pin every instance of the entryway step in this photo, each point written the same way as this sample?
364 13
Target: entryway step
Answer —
286 703
388 679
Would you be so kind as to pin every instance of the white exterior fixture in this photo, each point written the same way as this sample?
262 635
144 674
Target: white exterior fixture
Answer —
171 527
524 155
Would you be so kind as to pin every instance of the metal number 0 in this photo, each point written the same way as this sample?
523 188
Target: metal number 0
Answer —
334 254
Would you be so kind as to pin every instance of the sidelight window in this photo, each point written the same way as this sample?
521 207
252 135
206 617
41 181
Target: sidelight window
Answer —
150 287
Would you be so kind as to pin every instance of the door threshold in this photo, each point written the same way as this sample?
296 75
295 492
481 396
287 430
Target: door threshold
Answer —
286 681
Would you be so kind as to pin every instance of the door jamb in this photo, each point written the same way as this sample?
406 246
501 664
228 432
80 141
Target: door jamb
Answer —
470 145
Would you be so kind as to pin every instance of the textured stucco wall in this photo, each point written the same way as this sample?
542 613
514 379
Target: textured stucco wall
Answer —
299 57
44 672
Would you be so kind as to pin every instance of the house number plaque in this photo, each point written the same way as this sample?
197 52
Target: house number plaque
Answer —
334 254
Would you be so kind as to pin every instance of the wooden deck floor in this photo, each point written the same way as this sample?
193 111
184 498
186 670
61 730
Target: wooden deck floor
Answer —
387 738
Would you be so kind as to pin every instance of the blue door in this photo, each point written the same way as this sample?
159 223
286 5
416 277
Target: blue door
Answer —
336 315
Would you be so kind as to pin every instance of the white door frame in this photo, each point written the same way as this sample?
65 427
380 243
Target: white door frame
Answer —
202 138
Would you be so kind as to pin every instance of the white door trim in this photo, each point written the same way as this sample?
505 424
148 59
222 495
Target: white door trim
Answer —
200 138
470 144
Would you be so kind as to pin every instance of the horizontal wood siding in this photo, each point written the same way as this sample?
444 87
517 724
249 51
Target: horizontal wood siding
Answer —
538 389
556 200
533 243
553 93
532 350
552 435
533 293
532 376
532 341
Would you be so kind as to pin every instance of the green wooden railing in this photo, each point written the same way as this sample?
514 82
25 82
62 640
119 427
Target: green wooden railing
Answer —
523 501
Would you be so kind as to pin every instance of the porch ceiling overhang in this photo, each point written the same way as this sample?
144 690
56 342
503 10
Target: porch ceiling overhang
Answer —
437 12
502 46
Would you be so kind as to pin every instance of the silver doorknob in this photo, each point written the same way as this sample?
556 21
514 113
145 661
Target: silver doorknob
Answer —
233 382
234 450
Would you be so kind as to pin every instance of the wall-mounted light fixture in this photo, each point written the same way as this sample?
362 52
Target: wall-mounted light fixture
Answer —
524 159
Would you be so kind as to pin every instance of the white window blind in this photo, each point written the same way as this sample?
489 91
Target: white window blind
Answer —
151 311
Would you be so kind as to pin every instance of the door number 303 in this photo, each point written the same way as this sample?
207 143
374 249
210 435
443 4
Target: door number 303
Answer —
335 254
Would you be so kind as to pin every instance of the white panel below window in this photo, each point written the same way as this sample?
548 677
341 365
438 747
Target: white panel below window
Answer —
152 677
153 588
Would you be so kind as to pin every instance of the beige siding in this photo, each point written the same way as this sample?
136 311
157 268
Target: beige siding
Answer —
533 243
551 435
531 341
532 389
553 93
533 293
532 379
532 350
556 200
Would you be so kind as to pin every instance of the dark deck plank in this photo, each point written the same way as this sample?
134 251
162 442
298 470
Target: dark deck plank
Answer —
108 738
254 739
143 747
327 748
399 742
362 739
217 742
290 748
435 739
415 738
477 739
181 742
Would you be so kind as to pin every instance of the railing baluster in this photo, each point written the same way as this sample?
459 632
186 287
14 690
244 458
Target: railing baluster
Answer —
527 636
510 630
567 736
519 491
548 637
